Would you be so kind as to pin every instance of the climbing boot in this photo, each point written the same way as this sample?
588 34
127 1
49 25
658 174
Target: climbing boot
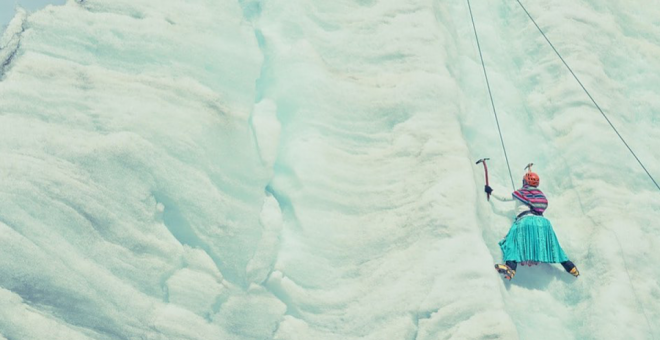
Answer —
506 271
574 272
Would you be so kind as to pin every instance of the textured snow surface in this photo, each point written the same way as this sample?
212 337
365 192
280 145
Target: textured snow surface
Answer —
305 169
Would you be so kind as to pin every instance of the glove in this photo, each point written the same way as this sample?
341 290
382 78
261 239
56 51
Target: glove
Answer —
488 189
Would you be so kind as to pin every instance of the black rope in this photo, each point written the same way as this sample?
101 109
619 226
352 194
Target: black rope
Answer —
624 142
492 103
587 92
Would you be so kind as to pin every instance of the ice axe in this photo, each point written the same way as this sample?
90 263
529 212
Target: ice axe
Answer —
483 160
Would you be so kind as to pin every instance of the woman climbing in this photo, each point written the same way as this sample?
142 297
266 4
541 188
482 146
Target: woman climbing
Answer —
531 238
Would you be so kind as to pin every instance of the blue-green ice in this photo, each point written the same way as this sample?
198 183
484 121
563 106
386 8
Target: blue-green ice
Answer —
305 169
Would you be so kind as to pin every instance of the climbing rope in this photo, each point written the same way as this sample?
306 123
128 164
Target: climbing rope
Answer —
492 103
616 237
588 94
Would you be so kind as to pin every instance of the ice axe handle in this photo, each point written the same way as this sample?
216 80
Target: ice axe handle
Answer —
483 160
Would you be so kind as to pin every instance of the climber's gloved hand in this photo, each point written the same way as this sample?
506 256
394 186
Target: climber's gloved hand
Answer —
488 189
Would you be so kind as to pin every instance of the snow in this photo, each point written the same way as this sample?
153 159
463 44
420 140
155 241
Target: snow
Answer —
267 169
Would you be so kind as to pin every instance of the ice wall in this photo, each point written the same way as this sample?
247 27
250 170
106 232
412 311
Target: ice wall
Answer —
305 170
380 236
131 182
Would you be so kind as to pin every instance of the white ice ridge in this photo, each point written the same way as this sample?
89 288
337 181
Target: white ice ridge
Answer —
267 129
9 42
295 170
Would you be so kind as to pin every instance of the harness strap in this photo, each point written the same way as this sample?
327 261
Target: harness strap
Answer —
528 212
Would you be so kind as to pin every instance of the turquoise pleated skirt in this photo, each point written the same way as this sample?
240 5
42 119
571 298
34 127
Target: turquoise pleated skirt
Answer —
532 239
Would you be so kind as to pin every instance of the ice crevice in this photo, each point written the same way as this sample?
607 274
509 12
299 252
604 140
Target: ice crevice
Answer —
266 130
417 317
197 282
181 229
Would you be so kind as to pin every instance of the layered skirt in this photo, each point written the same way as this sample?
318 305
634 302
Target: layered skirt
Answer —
532 239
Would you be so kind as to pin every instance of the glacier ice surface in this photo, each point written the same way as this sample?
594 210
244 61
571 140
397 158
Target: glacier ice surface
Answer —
267 169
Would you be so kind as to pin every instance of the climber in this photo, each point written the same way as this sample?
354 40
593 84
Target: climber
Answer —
531 238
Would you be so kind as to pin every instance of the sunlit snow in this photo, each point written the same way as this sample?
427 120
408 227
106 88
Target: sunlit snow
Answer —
268 169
